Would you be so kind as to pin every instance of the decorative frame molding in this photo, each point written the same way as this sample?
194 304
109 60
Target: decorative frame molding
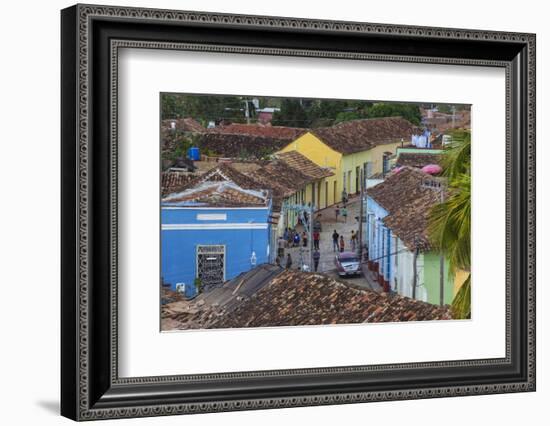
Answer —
91 388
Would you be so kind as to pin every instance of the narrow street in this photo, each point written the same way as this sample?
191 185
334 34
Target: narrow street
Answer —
343 227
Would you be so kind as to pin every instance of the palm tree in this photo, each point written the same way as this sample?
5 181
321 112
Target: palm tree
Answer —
449 222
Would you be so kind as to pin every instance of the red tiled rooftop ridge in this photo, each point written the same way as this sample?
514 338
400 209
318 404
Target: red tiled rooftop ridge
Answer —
408 200
360 135
298 298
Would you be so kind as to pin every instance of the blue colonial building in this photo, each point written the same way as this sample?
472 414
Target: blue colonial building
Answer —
214 229
395 234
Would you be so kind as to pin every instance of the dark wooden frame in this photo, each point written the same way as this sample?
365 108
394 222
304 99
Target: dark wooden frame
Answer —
90 386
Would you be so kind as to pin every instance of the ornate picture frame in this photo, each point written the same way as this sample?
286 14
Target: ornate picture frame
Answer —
90 40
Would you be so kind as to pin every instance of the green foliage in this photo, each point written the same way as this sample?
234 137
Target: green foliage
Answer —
450 222
181 143
445 108
319 112
182 146
456 160
410 112
203 107
349 115
461 306
449 225
292 114
448 108
198 284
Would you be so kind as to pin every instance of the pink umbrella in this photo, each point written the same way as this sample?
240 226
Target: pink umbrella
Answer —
432 169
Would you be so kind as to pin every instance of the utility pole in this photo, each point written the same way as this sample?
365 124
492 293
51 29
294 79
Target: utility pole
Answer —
246 111
414 268
310 236
442 261
361 213
453 109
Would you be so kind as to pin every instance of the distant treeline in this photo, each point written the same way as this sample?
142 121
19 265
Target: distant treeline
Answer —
294 112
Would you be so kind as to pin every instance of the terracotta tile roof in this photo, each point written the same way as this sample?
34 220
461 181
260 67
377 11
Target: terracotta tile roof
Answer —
408 202
287 175
187 124
225 172
297 298
248 140
173 181
417 159
360 135
282 176
217 194
233 145
169 138
275 132
279 189
299 162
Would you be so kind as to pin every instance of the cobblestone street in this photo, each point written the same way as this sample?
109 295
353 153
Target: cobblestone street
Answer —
327 217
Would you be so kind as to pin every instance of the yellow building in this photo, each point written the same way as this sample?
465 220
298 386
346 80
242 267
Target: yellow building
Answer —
294 180
460 278
349 149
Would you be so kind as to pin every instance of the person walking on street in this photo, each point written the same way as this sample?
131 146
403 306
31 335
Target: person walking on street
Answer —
337 212
281 247
335 240
345 214
288 261
316 238
353 240
316 257
304 238
342 244
296 239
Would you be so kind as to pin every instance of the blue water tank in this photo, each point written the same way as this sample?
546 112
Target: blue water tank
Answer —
194 154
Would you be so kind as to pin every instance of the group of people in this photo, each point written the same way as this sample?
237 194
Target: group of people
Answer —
339 244
342 211
288 261
293 238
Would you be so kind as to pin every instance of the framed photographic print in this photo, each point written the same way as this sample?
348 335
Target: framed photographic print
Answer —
263 212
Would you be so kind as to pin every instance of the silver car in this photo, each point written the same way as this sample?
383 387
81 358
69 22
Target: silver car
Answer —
347 263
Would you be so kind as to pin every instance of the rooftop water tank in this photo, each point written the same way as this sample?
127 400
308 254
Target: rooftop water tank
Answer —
194 154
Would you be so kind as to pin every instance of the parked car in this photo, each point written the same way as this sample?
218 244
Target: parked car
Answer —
347 263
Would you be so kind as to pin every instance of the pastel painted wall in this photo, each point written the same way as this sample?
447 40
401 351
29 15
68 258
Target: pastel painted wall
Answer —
241 232
418 150
396 261
403 277
352 161
344 167
321 154
373 228
432 279
459 279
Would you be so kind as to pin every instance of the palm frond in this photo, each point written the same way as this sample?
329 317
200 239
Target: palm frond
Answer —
456 159
449 224
461 307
